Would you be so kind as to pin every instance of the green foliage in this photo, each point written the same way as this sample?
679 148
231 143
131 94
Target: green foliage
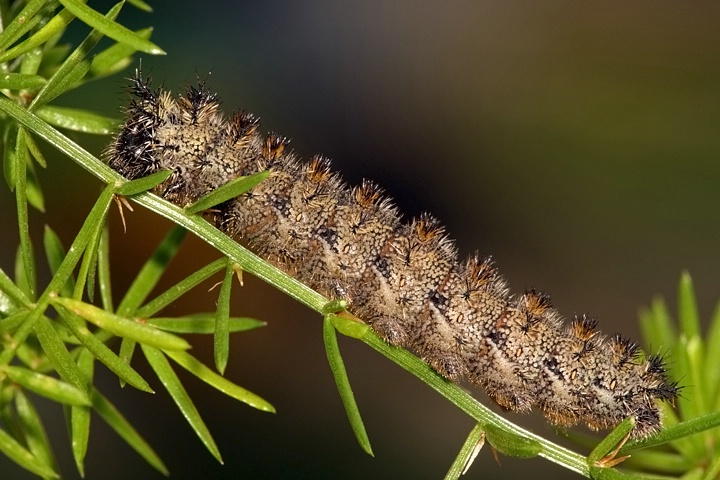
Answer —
53 354
695 366
53 335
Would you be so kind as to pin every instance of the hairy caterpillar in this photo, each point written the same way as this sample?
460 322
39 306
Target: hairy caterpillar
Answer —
403 277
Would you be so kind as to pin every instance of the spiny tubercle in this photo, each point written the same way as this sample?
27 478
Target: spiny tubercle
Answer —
403 277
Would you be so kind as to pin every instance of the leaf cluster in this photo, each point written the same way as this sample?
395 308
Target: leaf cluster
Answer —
52 336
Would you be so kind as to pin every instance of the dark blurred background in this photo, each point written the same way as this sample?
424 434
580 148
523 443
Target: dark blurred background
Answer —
576 142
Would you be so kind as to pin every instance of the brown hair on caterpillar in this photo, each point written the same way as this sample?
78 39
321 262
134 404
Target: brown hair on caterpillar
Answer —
403 277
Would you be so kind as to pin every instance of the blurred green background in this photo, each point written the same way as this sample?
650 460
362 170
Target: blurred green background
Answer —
576 142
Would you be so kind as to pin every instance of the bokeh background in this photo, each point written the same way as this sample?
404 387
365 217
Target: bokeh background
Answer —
576 142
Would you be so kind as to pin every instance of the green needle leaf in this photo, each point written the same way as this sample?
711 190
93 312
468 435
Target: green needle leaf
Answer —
611 440
221 337
203 323
96 255
78 120
122 326
141 5
57 353
115 58
46 386
22 23
172 384
133 187
80 434
21 81
73 69
35 151
337 366
102 352
127 350
18 454
20 275
68 76
687 405
657 326
110 28
34 193
14 321
26 249
688 310
197 368
56 25
89 262
35 435
104 270
230 190
80 416
473 443
674 432
511 443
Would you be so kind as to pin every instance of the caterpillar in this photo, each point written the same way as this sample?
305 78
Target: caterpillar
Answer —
403 277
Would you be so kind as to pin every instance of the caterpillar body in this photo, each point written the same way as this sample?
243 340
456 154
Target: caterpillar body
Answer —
403 277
